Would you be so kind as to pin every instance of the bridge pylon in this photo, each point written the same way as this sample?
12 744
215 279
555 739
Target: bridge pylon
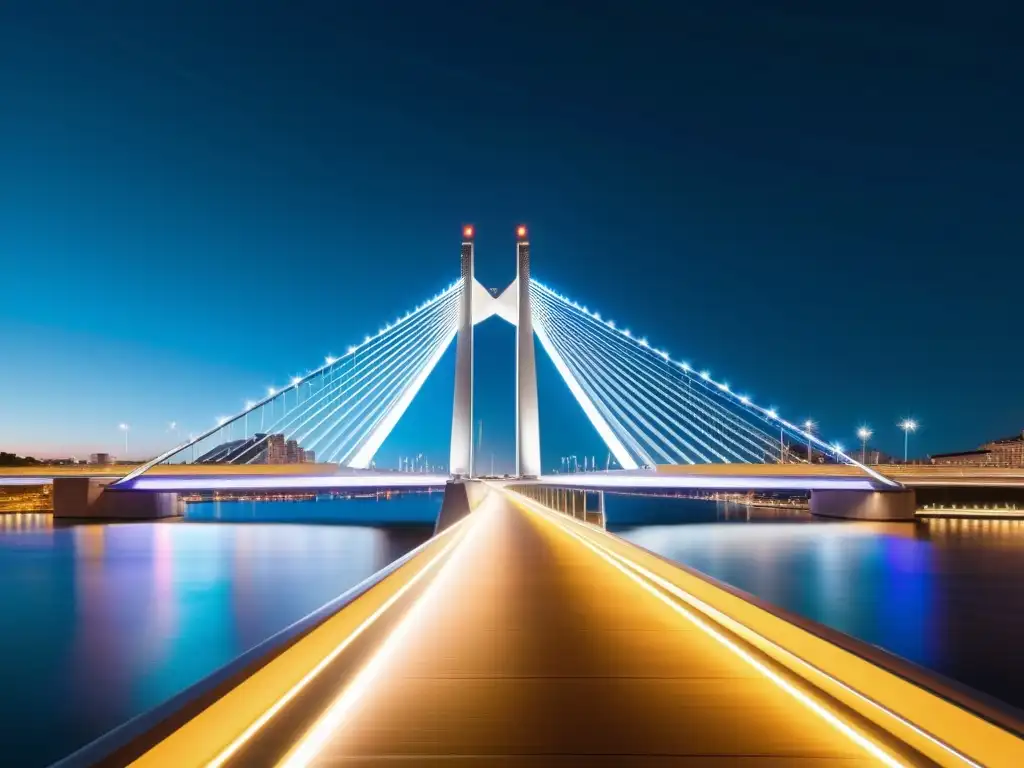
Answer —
527 419
460 462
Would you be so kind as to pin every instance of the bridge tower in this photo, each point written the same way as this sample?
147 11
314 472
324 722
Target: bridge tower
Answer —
460 461
527 421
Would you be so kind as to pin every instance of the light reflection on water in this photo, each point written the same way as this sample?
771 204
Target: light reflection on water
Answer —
945 594
99 623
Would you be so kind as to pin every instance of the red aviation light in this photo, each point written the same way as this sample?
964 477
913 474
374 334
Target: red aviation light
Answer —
467 232
520 231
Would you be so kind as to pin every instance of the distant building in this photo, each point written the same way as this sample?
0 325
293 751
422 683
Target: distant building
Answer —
276 452
1004 452
308 457
100 458
292 452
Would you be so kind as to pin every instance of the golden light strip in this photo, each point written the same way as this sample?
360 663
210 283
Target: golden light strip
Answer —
314 740
294 691
832 719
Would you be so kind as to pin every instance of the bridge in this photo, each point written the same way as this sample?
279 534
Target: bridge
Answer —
523 632
664 421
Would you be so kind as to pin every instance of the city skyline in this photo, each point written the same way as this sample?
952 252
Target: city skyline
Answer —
182 233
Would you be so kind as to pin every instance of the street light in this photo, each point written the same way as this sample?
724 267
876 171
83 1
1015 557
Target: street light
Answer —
908 426
809 429
864 433
126 429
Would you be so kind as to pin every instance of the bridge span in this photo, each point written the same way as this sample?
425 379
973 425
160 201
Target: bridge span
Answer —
520 636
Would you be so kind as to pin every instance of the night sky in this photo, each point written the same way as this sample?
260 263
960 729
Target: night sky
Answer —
819 202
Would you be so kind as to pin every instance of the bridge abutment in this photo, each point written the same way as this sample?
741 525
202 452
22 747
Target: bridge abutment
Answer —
865 505
460 498
89 498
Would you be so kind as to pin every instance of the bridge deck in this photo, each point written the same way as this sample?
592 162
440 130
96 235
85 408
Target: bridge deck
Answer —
530 648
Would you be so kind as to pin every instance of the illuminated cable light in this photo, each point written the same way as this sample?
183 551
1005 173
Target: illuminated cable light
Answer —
352 350
771 413
685 367
249 405
271 391
597 315
626 333
611 324
222 420
296 380
724 387
367 340
705 375
745 399
331 360
642 342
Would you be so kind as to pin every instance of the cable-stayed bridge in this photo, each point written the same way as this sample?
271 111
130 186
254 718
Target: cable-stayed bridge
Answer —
522 631
656 415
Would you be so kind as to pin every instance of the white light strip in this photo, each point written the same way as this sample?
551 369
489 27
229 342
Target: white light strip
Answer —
682 481
290 482
823 712
316 738
600 424
294 691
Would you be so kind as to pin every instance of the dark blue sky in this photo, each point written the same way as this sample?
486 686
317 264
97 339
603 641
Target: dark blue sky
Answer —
820 202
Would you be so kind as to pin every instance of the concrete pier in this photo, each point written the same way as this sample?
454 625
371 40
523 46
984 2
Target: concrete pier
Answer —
85 498
460 498
865 505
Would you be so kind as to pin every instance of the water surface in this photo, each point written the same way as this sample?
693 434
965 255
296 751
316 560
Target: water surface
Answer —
99 623
945 594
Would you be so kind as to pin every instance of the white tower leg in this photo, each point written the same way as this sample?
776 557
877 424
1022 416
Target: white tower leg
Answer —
527 420
460 462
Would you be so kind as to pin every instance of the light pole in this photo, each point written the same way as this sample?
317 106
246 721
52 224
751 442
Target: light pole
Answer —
864 433
809 428
908 426
126 429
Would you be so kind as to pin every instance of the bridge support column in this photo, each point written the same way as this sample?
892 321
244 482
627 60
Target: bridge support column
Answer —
460 498
527 417
865 505
460 461
85 498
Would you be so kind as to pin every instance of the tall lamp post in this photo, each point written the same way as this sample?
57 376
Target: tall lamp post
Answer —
864 433
809 429
126 429
908 426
